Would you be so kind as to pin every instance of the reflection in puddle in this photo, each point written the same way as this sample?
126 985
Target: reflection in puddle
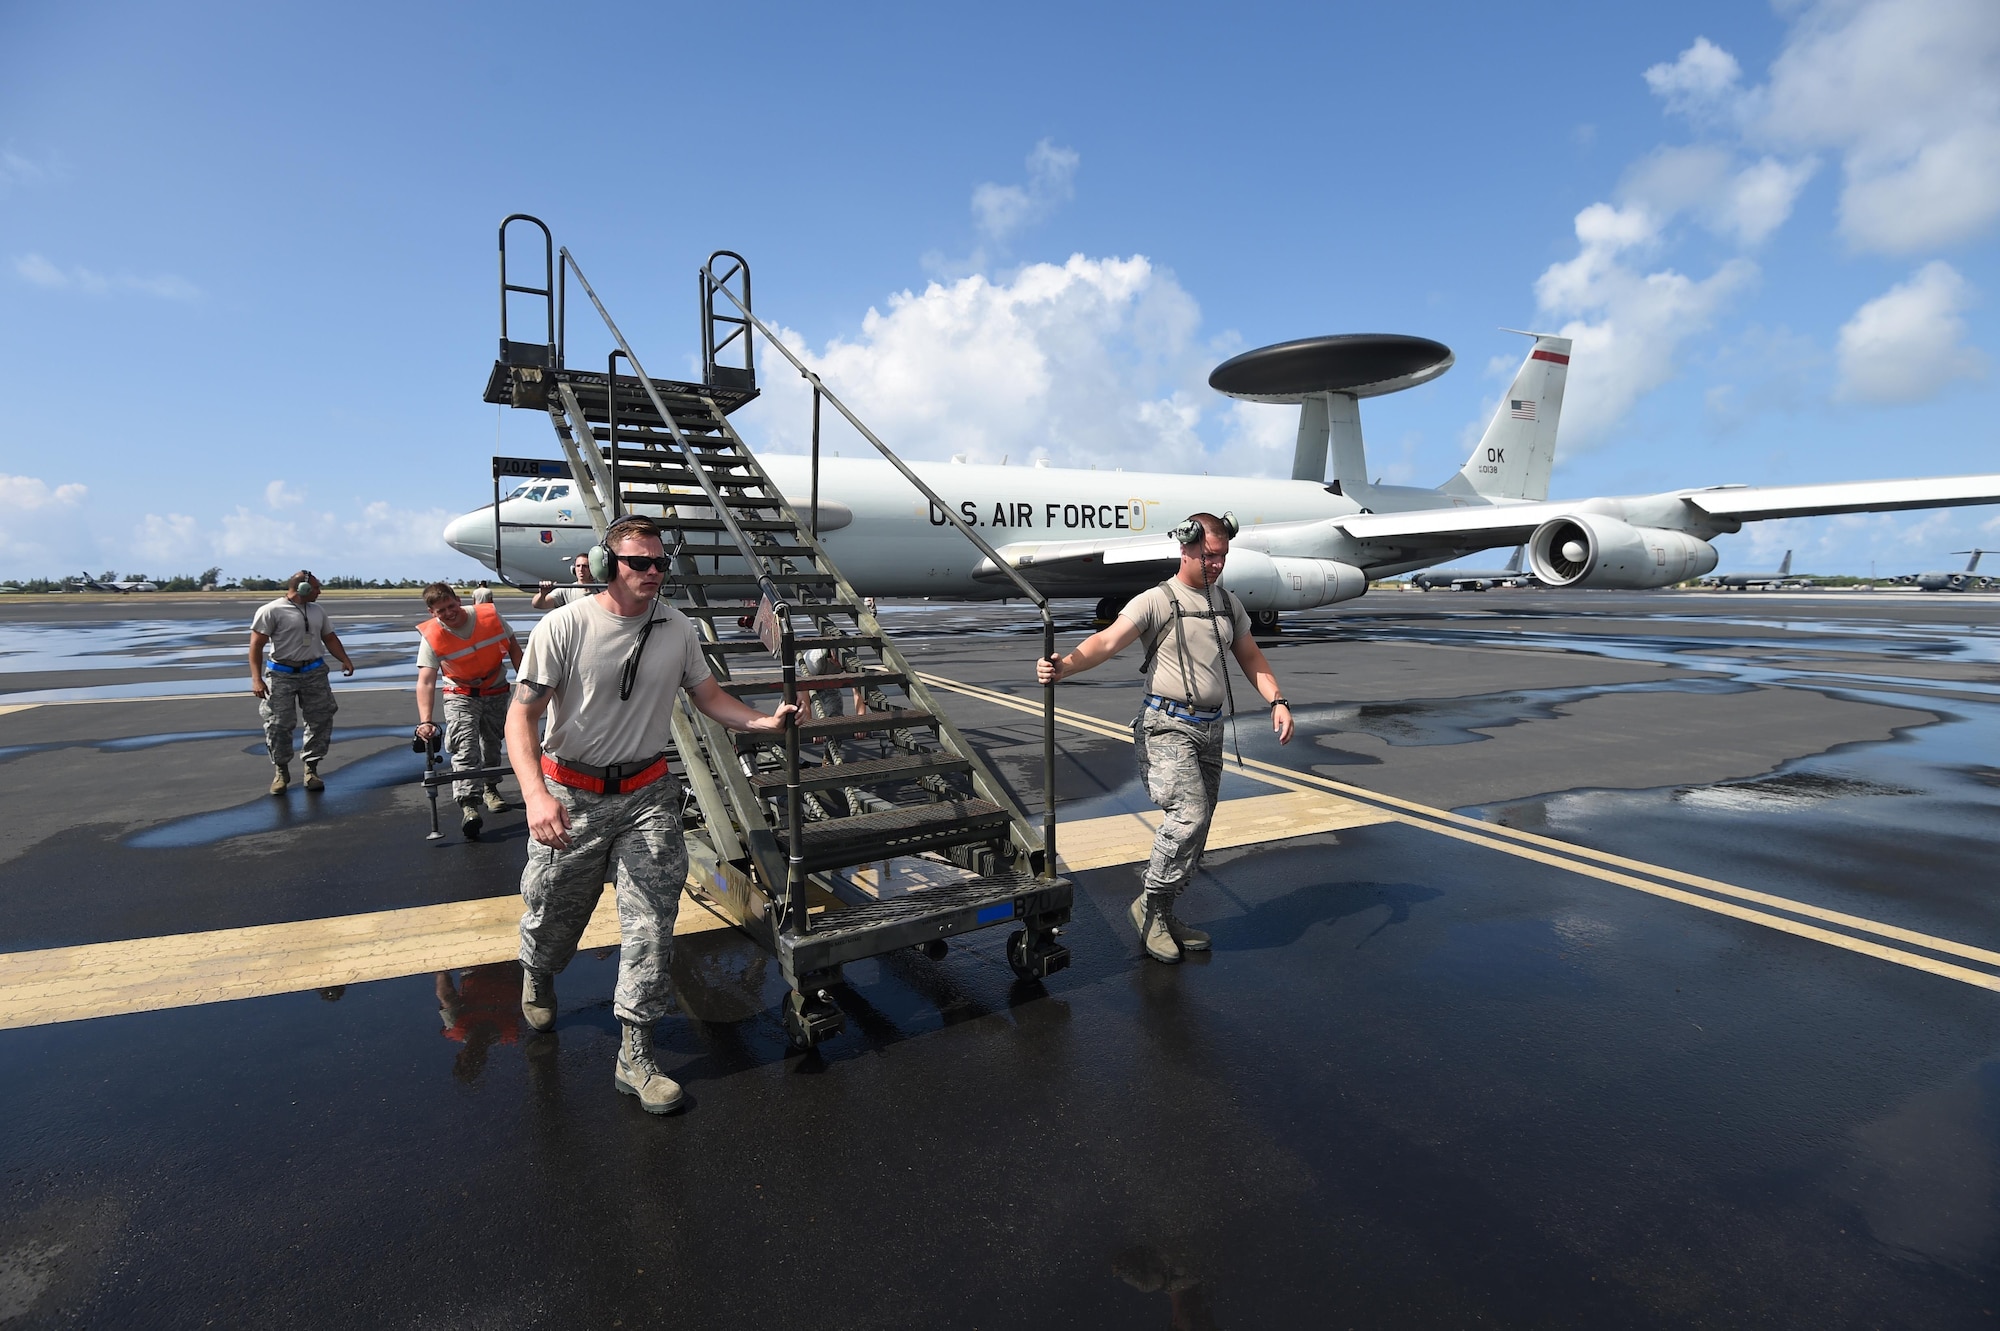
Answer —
1460 720
1786 791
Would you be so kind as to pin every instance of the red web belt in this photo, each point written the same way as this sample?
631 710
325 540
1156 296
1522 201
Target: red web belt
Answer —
618 779
474 691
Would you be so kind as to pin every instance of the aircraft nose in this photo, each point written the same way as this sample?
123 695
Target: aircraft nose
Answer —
472 534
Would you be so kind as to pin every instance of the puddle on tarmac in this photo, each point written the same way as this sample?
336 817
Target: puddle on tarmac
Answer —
348 791
138 743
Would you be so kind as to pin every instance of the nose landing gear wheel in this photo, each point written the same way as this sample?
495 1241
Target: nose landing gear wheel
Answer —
1263 621
1107 610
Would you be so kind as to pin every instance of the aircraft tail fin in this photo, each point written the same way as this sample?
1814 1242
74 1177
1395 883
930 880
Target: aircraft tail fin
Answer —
1514 563
1785 569
1518 450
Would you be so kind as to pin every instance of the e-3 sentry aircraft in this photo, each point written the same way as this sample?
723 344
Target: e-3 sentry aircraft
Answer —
1312 540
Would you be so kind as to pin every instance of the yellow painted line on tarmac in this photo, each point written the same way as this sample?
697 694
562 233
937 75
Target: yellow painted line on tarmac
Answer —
1601 865
183 970
1097 843
7 708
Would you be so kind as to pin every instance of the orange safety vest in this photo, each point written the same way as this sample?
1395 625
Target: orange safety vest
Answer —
469 663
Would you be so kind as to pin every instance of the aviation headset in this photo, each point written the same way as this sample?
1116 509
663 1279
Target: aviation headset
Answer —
602 566
1190 531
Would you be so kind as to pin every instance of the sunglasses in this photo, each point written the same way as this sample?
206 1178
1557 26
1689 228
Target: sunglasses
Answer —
643 563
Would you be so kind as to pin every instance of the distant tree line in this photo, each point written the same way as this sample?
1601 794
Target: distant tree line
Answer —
211 579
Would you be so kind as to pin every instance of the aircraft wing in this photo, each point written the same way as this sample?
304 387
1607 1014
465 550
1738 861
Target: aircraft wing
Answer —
1097 566
1755 503
1501 524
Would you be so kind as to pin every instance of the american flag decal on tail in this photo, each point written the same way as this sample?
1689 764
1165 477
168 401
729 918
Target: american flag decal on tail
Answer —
1521 409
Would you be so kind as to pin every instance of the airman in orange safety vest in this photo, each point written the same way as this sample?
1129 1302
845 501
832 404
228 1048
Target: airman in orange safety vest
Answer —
471 649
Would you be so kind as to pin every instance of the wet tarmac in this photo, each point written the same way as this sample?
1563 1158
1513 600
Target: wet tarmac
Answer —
1423 1079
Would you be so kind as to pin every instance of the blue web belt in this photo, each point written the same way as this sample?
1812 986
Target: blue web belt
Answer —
317 663
1180 711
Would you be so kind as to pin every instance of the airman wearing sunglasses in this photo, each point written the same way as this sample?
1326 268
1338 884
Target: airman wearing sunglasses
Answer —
604 671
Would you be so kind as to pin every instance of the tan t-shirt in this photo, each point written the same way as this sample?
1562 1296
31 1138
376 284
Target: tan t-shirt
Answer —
297 632
579 651
1153 612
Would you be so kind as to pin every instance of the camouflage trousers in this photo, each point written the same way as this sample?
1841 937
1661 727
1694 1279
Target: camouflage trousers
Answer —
286 696
473 729
1180 763
635 840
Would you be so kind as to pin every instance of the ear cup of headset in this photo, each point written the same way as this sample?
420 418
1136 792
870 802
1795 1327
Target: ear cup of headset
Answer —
600 562
1189 532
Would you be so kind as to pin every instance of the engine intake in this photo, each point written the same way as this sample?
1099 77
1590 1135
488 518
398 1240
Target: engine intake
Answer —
1283 582
1591 550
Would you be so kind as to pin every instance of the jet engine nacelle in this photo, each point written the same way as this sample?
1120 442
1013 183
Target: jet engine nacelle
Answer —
1283 582
1591 550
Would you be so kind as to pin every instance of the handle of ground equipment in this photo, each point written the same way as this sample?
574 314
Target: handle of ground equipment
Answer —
1049 749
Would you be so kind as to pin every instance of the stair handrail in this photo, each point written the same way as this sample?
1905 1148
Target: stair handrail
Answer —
758 561
938 504
795 891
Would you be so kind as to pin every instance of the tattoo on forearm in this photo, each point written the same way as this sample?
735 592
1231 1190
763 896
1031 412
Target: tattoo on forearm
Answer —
528 693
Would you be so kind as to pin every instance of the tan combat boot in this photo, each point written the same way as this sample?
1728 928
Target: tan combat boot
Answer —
312 777
281 777
1149 916
469 821
639 1075
538 998
493 800
1190 938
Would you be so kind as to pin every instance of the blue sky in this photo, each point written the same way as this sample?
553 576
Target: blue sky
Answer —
247 266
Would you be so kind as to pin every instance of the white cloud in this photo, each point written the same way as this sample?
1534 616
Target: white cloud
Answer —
378 540
31 493
1628 325
1089 362
1908 92
40 533
39 271
1001 210
1907 344
1745 204
34 268
1701 82
16 168
280 495
1759 198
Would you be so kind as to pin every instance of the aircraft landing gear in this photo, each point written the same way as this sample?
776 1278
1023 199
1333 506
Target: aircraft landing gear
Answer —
1263 621
1107 610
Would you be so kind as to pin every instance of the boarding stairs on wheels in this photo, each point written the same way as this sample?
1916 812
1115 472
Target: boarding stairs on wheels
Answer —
843 836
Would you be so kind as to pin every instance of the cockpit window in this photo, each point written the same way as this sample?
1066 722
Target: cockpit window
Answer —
558 492
534 494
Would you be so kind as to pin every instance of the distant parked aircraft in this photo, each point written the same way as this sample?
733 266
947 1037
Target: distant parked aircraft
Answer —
86 583
1965 580
1478 579
1746 581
